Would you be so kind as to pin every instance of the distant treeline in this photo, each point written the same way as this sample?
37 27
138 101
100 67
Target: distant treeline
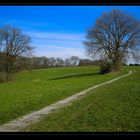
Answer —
136 64
51 62
23 63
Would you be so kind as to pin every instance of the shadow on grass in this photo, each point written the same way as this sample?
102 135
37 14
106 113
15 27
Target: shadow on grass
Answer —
75 76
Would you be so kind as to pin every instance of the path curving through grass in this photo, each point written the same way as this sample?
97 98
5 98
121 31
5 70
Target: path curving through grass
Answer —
18 124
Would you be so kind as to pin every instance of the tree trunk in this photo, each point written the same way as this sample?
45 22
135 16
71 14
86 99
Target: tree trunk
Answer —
116 66
8 69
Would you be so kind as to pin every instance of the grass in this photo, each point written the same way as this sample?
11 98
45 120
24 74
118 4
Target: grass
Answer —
112 108
33 90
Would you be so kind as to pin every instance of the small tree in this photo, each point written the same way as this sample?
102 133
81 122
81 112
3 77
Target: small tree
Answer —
13 43
51 61
67 62
115 35
74 60
59 62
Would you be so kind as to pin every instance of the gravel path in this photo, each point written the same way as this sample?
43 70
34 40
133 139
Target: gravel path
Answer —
20 123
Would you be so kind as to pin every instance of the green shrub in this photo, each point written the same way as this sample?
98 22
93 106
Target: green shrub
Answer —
2 77
105 68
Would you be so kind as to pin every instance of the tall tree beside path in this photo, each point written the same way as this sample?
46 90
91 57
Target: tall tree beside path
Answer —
114 37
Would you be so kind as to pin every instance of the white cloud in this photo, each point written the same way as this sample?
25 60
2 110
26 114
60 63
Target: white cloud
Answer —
58 44
56 36
59 51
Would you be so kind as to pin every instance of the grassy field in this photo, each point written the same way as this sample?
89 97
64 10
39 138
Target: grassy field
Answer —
33 90
113 107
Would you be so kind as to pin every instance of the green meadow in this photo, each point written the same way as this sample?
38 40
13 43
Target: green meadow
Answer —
112 107
33 90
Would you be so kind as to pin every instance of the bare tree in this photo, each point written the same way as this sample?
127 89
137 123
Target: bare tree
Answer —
45 62
52 61
13 43
115 35
59 62
74 60
67 62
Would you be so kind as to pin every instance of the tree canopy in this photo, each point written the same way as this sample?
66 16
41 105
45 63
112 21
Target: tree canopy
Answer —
114 37
13 43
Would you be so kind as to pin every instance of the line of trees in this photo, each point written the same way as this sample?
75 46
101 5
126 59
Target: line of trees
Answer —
136 64
23 63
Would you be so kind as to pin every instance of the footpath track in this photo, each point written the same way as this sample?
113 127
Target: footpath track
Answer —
22 122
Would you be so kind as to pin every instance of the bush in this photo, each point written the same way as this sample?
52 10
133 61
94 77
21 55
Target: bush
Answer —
105 68
2 77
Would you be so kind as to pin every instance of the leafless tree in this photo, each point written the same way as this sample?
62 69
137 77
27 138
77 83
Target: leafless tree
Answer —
13 43
74 60
52 61
45 62
67 62
59 62
115 35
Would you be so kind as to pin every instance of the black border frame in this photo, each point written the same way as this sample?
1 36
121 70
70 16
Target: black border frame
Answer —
68 3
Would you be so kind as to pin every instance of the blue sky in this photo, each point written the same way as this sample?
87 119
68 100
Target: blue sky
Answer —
57 31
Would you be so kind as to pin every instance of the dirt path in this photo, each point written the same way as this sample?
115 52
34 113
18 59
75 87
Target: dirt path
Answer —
20 123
